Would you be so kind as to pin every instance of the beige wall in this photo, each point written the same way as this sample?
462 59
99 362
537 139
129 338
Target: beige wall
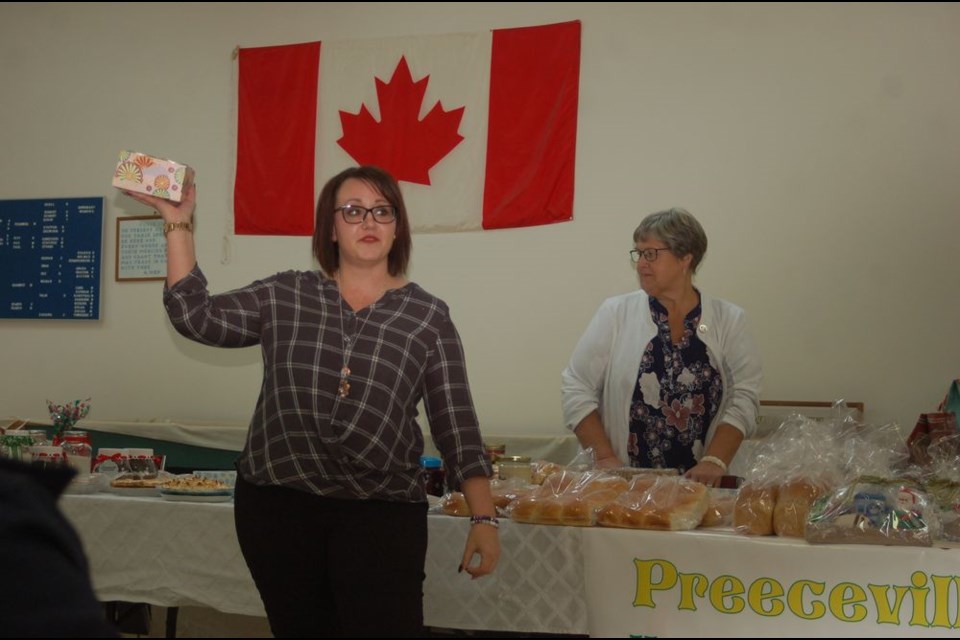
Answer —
818 144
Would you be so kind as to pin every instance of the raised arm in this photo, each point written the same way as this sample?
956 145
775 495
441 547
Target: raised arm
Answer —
178 230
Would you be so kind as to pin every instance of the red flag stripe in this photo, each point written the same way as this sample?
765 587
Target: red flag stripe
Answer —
276 135
531 144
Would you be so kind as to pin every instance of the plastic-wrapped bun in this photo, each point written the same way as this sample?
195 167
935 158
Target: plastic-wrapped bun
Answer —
753 511
794 500
657 502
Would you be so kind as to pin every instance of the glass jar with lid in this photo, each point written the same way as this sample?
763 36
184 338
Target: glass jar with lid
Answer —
516 467
16 444
140 463
47 456
434 475
77 450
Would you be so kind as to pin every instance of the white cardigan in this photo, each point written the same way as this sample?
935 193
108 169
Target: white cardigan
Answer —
603 369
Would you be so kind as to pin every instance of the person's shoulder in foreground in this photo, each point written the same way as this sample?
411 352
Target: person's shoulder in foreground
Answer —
45 590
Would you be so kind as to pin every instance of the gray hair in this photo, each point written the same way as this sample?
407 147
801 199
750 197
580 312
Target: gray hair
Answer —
679 230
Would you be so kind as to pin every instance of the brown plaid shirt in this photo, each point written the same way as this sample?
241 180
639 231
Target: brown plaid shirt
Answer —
303 434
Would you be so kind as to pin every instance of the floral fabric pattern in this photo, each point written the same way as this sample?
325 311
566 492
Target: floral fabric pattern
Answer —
677 394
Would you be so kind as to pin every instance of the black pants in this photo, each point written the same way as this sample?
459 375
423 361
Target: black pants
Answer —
329 567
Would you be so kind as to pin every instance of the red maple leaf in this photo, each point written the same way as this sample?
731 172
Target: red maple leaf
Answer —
401 143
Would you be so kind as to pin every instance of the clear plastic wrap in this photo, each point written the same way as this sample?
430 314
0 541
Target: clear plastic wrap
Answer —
875 511
804 459
941 479
568 498
659 502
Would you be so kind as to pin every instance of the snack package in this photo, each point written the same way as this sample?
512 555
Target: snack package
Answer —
875 511
152 176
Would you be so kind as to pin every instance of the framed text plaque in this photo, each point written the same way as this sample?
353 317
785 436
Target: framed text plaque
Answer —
141 249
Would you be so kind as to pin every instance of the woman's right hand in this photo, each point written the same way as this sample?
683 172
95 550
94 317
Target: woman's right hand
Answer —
170 211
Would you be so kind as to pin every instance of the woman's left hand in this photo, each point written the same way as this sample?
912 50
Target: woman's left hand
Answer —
705 473
484 541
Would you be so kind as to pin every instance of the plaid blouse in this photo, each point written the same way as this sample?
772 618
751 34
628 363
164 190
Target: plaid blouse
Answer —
303 435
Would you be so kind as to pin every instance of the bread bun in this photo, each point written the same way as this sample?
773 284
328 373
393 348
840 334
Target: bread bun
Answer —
793 504
455 504
720 503
657 502
753 511
568 498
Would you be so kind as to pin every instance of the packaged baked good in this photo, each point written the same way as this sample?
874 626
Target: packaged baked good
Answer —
543 469
753 509
455 504
874 511
568 498
794 499
720 503
657 502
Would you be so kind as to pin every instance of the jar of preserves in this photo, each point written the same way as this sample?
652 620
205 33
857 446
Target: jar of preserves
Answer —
140 463
77 450
516 467
16 445
47 456
109 461
433 475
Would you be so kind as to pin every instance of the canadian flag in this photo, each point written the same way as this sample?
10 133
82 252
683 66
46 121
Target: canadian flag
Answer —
479 128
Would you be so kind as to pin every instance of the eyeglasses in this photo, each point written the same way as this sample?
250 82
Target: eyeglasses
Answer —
354 214
650 255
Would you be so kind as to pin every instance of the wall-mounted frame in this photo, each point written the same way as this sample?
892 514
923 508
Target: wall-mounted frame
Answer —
141 249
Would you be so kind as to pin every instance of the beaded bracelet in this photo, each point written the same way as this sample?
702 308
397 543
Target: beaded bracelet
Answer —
490 520
715 460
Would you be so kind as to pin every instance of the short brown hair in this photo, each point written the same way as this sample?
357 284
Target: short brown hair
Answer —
679 230
326 250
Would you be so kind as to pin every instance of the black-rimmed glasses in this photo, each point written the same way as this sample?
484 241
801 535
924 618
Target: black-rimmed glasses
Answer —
355 214
650 255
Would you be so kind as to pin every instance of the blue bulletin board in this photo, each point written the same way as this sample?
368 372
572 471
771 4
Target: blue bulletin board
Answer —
50 254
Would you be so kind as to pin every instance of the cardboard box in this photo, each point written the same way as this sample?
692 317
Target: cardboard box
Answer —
153 176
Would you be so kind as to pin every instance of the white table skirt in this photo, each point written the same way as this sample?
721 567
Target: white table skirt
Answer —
559 580
186 554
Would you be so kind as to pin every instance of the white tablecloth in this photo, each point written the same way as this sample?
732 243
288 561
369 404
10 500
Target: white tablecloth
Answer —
164 553
604 582
186 554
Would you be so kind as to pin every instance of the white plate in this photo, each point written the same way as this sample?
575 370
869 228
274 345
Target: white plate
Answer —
196 491
135 491
180 497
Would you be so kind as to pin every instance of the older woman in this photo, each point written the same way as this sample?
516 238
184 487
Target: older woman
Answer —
665 376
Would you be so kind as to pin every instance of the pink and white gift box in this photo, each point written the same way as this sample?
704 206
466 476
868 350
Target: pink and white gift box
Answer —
153 176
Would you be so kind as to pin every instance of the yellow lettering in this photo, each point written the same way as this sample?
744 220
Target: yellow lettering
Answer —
764 589
646 584
941 600
885 613
918 594
795 600
691 584
727 588
848 595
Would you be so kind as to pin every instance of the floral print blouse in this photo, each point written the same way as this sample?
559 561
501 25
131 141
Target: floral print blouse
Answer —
675 398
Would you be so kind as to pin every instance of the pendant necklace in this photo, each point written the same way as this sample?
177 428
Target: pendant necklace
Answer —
347 344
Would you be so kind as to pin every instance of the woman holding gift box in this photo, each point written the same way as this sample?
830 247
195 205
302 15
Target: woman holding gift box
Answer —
330 500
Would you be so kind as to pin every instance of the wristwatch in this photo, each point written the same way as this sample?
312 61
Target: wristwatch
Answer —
173 226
